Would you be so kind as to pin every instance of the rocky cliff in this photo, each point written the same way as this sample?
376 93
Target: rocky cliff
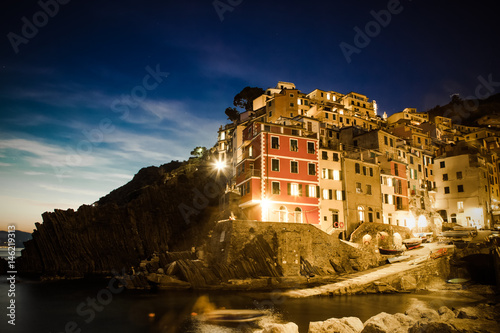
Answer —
162 208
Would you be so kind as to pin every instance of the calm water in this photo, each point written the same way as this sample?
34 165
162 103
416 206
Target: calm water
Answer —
48 307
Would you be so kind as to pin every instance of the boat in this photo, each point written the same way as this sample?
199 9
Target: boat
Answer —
458 280
394 252
425 236
412 243
397 259
231 317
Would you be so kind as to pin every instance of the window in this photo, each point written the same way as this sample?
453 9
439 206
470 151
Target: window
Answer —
311 192
275 142
441 164
336 175
310 148
460 188
459 174
275 165
283 214
357 168
335 157
335 218
327 194
460 206
396 170
294 189
371 172
276 188
298 215
364 170
368 189
312 169
339 195
391 142
294 167
361 214
370 215
445 177
386 141
324 155
446 190
358 188
294 145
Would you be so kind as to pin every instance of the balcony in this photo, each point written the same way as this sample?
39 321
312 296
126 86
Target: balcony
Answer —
249 174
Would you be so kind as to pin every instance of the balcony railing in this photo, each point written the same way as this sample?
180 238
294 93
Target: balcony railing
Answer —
250 173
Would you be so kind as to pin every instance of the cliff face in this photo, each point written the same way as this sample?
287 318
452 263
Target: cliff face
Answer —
163 208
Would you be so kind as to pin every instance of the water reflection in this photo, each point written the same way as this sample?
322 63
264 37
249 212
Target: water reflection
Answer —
49 307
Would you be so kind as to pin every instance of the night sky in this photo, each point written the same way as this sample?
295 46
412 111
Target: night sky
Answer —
92 91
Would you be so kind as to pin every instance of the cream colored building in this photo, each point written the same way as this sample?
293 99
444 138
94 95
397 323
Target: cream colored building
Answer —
462 194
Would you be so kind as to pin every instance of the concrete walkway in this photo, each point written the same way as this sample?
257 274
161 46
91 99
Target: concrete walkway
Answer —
358 280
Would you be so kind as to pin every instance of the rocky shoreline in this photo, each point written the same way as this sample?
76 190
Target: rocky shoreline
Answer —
419 317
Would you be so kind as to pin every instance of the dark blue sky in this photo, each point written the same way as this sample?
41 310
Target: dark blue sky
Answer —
79 114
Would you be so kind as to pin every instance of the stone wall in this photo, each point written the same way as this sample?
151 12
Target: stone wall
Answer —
297 249
374 230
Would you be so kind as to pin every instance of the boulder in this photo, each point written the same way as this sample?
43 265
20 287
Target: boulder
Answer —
343 325
420 312
445 313
467 313
280 328
433 327
383 323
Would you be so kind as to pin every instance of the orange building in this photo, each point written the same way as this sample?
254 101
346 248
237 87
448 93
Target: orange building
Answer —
278 174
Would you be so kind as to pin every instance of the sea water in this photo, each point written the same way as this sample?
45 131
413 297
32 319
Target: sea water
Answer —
98 307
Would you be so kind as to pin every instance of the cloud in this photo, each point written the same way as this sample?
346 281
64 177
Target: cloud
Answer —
72 190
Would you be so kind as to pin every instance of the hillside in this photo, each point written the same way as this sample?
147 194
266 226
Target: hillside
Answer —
470 112
159 209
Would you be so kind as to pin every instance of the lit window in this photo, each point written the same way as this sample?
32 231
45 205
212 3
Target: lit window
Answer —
336 175
460 205
312 191
294 189
326 194
338 195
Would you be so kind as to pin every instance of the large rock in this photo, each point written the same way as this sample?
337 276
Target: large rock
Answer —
341 325
445 313
128 225
433 327
383 323
280 328
420 312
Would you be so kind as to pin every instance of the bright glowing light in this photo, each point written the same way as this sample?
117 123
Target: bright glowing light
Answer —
265 204
422 221
410 223
220 165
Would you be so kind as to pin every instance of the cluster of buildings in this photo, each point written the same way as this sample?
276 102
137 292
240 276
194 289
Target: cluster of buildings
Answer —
329 159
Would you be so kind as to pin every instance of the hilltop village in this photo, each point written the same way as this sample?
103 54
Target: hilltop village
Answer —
329 159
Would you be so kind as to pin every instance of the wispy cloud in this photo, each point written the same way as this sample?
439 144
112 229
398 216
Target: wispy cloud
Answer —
70 190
